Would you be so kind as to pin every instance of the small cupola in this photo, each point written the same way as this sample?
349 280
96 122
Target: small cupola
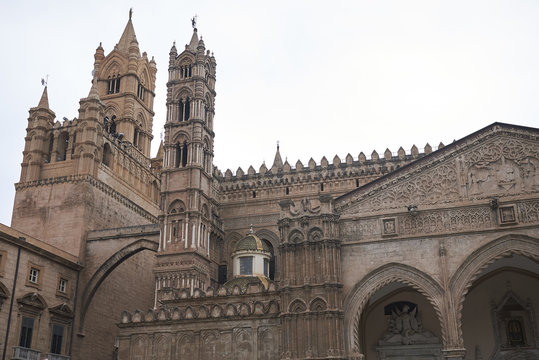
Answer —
251 257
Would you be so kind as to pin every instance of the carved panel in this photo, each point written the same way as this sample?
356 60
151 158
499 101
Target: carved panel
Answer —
187 346
243 347
268 343
427 222
502 167
529 211
507 215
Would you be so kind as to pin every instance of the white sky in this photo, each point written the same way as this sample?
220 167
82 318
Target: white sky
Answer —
322 77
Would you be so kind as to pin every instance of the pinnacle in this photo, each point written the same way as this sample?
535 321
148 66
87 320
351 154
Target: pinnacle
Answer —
44 101
127 37
278 161
194 41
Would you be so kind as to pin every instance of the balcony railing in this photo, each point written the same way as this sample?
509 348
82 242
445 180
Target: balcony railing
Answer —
22 353
57 357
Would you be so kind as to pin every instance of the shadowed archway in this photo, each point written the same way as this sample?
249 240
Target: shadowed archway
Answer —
359 295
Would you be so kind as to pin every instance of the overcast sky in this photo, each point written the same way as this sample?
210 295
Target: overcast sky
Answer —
323 78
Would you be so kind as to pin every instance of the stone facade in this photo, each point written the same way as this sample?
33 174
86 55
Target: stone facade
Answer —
430 255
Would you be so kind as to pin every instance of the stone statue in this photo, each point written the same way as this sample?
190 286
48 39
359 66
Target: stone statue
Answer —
404 328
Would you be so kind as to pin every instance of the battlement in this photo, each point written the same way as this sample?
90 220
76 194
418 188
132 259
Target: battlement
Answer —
337 176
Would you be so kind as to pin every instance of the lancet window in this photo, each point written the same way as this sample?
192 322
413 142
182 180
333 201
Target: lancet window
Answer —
63 141
184 109
181 155
113 84
140 91
186 71
48 154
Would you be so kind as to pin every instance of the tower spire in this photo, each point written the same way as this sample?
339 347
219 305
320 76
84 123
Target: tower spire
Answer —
278 161
127 36
44 101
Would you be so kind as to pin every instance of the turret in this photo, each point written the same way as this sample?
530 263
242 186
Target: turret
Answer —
38 142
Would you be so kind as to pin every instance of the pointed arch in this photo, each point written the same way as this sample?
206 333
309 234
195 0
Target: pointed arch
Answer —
358 296
297 306
318 304
478 260
107 155
114 64
107 267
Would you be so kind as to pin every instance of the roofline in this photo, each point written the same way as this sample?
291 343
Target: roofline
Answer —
437 152
20 239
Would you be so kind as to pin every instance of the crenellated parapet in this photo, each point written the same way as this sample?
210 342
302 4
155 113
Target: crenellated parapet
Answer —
335 177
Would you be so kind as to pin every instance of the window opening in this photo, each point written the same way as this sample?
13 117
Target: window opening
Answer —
140 92
34 275
222 276
287 190
322 187
27 327
62 285
73 141
254 194
178 155
49 152
187 109
57 337
246 265
266 267
184 155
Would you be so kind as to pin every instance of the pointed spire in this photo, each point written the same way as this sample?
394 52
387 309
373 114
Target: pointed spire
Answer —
44 101
128 36
93 91
278 161
160 151
194 41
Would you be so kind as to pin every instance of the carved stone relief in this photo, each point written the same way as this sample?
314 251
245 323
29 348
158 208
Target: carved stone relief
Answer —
529 211
438 221
502 167
405 337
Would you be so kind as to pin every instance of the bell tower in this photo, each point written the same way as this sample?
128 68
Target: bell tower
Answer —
189 217
93 171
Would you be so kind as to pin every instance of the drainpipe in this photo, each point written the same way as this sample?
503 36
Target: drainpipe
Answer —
11 302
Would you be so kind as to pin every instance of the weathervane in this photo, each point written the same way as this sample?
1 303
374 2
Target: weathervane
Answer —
194 21
45 80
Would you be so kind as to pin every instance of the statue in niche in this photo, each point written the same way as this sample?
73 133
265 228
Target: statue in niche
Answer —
404 326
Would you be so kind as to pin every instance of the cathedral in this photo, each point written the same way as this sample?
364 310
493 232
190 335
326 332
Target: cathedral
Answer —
113 254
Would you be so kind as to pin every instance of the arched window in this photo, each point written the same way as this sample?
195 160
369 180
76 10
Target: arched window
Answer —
182 106
271 262
187 109
49 149
184 154
73 143
178 155
107 155
113 84
140 91
63 141
181 155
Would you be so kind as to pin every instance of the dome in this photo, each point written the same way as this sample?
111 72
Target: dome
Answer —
252 243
